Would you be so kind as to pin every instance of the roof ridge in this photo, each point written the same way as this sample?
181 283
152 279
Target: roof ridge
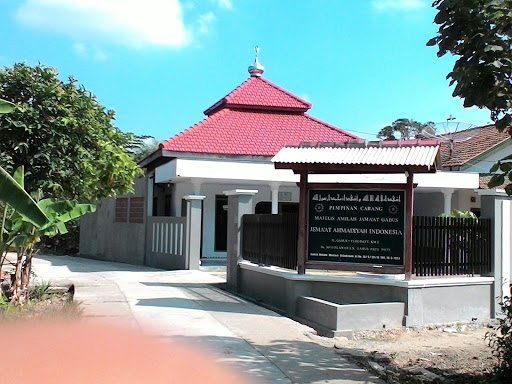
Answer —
331 126
467 129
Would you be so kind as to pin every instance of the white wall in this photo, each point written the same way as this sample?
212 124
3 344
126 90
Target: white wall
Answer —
484 165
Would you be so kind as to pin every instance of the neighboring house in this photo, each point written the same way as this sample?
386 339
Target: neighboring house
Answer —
232 149
474 150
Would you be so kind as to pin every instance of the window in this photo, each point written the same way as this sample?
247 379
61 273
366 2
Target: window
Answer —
121 210
129 210
136 210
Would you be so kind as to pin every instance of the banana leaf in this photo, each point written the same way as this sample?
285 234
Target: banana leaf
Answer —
5 106
13 194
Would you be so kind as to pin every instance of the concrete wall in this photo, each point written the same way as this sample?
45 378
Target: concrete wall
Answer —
102 238
427 301
450 303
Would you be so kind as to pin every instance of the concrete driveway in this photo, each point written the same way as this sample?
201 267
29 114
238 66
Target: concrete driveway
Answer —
186 305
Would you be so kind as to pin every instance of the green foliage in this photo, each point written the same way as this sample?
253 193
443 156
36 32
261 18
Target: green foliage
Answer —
40 290
22 231
479 33
500 340
406 129
459 214
63 136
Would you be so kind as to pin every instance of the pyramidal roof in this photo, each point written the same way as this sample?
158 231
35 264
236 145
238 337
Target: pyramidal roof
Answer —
257 118
259 93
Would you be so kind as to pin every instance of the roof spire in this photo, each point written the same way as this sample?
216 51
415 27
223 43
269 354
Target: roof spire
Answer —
256 69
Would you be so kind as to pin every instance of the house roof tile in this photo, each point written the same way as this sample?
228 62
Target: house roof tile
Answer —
257 118
468 144
259 133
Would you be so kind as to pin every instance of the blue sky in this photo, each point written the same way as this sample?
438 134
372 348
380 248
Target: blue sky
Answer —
160 63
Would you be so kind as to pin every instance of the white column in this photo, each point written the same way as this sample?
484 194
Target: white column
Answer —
194 229
447 193
274 187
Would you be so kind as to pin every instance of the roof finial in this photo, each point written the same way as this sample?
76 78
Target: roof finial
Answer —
256 69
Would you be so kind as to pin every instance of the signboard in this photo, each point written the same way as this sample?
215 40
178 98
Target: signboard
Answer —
357 226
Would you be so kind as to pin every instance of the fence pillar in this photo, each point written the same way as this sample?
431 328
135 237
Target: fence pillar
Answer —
239 203
194 230
499 210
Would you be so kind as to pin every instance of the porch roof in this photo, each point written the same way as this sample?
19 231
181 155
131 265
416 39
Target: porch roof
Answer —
357 156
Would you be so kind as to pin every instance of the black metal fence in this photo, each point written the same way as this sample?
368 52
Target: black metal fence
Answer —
270 239
441 246
445 246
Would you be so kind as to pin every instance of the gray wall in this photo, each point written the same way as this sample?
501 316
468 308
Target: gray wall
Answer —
102 238
463 303
425 303
428 204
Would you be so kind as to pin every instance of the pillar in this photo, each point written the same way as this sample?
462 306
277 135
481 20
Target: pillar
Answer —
447 194
194 230
274 187
498 208
150 193
240 202
409 209
303 223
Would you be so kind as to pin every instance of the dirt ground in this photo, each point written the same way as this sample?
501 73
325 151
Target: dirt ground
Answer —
451 354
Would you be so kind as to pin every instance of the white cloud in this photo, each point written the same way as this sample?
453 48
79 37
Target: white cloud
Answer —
205 21
128 22
87 52
225 4
402 5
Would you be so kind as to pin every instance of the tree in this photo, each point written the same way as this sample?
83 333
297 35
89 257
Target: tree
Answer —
24 221
479 33
140 146
406 128
62 136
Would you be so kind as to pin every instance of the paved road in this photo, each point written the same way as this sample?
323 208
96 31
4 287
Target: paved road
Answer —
186 305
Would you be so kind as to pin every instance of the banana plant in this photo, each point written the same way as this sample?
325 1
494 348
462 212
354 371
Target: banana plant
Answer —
27 222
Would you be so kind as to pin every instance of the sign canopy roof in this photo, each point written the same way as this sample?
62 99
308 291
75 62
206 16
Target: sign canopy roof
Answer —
359 156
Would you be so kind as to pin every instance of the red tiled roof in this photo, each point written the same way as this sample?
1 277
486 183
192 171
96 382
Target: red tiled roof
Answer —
260 133
470 143
259 93
257 118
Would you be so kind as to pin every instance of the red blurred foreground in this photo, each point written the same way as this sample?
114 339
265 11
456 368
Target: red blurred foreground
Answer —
100 353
